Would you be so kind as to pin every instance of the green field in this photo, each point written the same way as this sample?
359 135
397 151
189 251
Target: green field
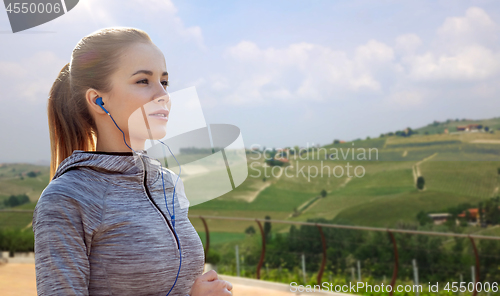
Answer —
14 181
457 167
463 168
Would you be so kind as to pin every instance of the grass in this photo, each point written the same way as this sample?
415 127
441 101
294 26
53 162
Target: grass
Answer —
270 199
424 144
377 184
386 211
461 171
11 183
218 238
467 178
10 220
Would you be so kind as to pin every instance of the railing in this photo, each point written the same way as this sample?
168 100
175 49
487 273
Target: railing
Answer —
324 247
390 231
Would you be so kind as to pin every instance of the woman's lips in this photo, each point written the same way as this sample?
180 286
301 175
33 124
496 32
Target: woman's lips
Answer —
160 114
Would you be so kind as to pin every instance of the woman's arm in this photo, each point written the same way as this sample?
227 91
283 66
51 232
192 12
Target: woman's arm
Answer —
62 265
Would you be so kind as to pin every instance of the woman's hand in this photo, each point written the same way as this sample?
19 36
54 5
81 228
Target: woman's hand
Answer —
209 284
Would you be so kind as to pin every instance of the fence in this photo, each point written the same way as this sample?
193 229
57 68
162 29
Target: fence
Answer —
475 270
476 275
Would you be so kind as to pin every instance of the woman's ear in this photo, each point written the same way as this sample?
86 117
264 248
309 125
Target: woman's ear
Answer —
91 96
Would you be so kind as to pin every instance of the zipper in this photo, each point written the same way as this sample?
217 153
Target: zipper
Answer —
154 203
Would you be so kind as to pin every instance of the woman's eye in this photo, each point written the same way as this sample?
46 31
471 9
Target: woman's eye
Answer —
165 83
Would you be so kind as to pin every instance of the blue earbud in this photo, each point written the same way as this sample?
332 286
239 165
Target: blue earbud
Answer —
99 102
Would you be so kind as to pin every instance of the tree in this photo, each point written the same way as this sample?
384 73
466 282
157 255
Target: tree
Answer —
408 132
420 182
492 211
423 218
323 193
32 174
480 214
276 162
213 257
336 141
16 200
250 230
267 229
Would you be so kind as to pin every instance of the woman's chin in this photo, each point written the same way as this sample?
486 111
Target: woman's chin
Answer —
158 133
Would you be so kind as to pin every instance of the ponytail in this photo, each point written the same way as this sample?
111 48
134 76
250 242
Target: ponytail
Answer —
67 131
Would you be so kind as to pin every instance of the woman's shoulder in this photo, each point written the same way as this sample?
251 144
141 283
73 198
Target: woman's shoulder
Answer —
170 173
72 187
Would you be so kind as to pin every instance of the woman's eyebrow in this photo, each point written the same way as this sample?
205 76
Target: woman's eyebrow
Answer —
147 72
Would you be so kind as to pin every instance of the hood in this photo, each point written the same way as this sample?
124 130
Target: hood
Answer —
124 164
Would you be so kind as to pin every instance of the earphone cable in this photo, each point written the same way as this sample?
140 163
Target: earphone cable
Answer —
172 217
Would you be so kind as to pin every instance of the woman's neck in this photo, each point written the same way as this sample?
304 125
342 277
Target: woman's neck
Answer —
112 142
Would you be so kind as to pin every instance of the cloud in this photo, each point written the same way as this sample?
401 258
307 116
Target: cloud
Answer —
99 14
305 70
406 98
471 63
407 43
373 53
475 27
29 80
463 49
164 13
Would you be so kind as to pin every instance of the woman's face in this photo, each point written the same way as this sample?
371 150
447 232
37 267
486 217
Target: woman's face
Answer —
138 100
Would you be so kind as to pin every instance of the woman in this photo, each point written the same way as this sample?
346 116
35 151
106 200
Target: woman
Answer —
103 225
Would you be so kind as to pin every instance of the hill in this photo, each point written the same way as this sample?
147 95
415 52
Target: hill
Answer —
438 127
457 167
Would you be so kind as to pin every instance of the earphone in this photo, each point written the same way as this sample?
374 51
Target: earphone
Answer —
100 103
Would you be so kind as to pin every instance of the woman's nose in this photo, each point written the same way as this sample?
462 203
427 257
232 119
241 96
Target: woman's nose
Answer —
163 99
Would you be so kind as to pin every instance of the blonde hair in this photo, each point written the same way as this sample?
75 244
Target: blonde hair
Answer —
94 59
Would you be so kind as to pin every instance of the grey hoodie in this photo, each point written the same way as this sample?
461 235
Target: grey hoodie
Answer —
101 228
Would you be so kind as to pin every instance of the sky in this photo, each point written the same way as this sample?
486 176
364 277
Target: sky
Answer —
285 72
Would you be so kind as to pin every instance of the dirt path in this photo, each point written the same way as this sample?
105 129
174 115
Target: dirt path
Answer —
486 141
20 279
347 180
251 196
17 279
416 167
